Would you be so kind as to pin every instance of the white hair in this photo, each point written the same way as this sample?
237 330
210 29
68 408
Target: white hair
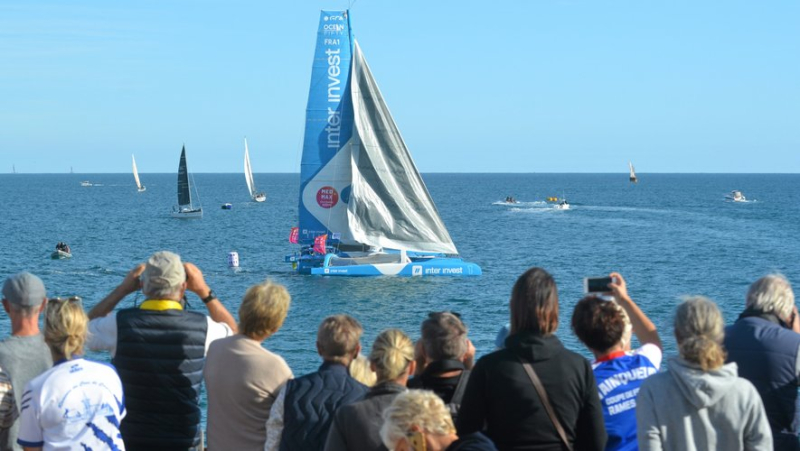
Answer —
771 294
420 408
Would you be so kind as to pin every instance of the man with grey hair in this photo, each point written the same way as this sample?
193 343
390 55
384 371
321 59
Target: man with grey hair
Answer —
23 355
159 350
447 356
765 344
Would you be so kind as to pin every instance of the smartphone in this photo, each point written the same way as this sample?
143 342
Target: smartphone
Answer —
417 441
596 284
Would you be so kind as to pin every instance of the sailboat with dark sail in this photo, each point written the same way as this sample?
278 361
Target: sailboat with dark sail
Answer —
364 209
185 209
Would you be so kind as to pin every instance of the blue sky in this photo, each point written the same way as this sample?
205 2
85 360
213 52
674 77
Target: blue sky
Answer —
505 86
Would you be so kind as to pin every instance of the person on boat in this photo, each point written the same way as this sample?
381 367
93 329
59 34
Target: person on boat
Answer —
700 403
302 413
239 402
77 404
765 344
447 357
163 389
24 354
357 426
503 401
605 328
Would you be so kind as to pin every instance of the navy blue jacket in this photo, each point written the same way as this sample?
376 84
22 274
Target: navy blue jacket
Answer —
766 354
310 402
159 358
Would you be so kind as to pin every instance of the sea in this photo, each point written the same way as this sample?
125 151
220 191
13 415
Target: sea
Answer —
670 235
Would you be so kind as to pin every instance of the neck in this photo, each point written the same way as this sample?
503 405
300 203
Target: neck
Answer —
616 348
440 442
24 326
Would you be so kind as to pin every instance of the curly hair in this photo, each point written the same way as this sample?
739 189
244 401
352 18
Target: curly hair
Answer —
600 324
420 408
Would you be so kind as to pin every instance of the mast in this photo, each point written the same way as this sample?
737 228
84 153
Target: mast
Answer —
248 171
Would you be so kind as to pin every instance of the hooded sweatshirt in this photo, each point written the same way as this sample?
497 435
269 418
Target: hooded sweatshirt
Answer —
687 408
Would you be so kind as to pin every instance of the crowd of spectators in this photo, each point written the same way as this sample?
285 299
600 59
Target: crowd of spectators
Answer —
727 389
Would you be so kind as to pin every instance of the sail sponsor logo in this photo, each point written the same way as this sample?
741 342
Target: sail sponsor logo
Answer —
327 197
437 271
416 270
327 18
333 28
334 96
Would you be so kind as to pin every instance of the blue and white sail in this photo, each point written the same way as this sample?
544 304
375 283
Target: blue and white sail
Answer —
359 184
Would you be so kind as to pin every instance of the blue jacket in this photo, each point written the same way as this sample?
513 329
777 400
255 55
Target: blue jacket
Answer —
159 358
310 403
766 354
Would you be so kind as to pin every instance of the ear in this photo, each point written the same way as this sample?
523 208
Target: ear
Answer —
372 367
44 304
412 368
319 349
358 350
5 305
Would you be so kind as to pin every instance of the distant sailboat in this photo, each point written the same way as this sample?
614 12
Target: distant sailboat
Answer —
139 186
185 209
13 169
248 175
633 178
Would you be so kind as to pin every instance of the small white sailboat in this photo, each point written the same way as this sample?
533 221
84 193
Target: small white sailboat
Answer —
736 196
633 178
139 186
86 183
248 175
185 209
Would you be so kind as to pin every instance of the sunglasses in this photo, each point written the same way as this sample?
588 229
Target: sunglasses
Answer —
57 302
434 315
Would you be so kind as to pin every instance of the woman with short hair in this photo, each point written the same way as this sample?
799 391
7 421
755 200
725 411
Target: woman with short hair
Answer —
700 403
418 419
77 404
605 327
356 426
501 396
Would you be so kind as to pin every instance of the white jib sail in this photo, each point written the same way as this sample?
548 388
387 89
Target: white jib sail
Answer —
390 205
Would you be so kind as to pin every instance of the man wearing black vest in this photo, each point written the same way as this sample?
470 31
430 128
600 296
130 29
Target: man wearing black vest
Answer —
446 355
303 411
159 350
765 344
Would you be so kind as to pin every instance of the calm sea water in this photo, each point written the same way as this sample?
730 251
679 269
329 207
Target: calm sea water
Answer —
670 235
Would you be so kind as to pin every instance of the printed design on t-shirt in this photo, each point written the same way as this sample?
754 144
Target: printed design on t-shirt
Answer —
618 391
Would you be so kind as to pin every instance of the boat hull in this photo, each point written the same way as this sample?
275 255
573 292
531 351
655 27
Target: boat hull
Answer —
424 267
142 189
60 255
261 197
188 214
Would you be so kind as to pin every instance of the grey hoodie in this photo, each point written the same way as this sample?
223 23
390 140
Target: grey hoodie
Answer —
687 408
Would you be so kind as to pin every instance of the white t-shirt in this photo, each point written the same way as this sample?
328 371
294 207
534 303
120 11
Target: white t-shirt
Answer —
77 404
103 333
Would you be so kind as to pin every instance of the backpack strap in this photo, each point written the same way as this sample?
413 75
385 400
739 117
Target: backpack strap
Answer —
537 384
461 387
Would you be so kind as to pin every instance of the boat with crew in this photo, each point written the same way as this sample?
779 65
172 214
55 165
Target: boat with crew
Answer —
248 175
632 177
562 205
86 183
736 196
139 186
62 251
185 208
364 209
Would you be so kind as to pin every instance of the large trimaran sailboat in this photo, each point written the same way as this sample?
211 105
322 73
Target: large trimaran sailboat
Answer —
364 208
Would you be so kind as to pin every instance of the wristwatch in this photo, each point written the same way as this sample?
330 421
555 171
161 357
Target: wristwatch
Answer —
211 296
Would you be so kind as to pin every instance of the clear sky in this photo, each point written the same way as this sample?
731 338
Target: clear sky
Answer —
500 86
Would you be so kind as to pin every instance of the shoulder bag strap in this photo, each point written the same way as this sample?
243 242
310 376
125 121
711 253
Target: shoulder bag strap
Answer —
461 387
537 384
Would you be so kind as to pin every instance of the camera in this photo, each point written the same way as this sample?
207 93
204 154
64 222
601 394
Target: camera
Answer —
597 284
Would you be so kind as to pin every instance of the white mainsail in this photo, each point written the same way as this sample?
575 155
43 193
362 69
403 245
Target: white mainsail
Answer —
139 185
248 175
633 174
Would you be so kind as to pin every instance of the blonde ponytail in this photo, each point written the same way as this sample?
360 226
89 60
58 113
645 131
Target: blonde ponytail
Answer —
65 328
699 330
391 354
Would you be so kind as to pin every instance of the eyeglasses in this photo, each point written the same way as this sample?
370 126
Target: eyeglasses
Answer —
60 300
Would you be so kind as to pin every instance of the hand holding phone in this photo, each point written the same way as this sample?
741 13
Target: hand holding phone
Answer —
597 284
416 440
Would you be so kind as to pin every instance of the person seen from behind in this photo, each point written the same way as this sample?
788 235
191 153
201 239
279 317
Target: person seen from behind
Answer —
765 344
700 403
242 378
159 350
77 404
448 355
360 370
24 354
302 413
418 420
605 328
356 426
501 397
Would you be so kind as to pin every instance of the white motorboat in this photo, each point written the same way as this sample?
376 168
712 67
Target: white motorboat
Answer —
736 196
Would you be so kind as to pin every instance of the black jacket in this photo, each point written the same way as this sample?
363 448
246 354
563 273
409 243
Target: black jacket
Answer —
501 396
357 426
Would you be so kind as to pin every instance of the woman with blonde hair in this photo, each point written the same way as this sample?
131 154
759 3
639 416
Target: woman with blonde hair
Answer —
356 426
700 403
77 404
